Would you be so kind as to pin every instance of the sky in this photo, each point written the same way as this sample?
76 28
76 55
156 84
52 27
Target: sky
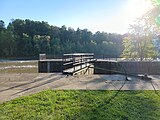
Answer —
112 16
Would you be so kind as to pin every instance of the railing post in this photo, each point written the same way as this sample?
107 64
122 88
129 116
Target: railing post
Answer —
73 65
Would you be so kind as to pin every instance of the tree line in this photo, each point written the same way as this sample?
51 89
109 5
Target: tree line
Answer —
28 38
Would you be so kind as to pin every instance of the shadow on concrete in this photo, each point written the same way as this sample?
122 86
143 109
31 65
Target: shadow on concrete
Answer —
41 84
114 82
34 81
105 82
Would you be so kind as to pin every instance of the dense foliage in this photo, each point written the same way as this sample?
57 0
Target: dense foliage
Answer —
27 38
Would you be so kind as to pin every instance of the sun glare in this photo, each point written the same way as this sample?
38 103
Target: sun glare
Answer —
131 10
136 8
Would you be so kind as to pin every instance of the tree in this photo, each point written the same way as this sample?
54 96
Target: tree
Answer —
153 17
139 43
55 46
7 43
42 44
2 25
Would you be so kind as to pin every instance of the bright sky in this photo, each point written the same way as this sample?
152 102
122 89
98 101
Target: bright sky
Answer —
96 15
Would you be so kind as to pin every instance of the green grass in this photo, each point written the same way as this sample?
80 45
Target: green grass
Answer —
84 105
19 70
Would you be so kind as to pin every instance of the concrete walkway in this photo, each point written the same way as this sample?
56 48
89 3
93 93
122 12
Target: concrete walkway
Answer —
16 85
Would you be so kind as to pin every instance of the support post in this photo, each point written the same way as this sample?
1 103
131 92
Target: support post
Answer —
48 66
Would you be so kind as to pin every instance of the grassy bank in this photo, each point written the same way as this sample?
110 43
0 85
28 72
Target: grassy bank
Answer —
19 67
84 105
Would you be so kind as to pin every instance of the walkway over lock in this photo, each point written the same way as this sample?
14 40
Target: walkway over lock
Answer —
77 63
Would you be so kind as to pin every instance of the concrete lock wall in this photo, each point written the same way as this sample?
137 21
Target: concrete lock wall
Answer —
142 67
136 67
131 67
47 66
106 66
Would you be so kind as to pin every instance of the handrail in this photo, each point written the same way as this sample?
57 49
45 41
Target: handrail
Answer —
76 61
78 54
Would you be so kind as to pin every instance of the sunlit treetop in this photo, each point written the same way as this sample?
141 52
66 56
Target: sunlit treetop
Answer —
157 2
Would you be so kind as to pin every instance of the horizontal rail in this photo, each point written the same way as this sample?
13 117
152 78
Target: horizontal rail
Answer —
79 54
76 61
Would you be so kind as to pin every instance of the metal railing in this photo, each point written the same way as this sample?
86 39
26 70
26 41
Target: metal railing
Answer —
77 61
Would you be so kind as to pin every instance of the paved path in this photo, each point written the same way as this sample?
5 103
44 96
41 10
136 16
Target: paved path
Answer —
15 85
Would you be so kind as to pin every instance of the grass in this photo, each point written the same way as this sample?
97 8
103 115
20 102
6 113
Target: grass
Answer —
19 70
84 105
